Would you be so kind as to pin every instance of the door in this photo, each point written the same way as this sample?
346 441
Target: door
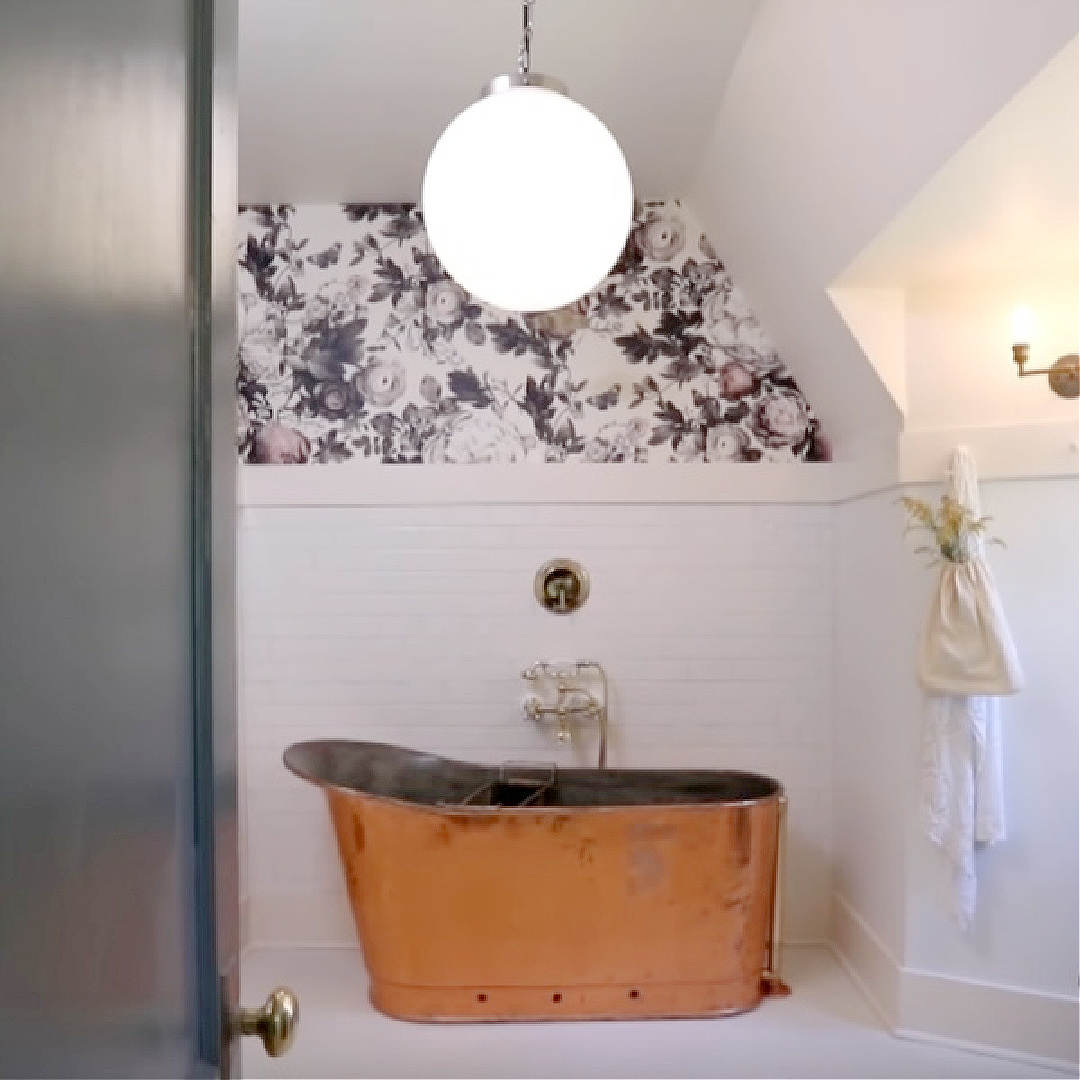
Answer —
118 891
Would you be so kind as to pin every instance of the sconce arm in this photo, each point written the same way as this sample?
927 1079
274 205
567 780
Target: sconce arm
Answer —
1064 372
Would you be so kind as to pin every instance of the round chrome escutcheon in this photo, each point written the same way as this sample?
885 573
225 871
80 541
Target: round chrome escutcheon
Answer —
561 586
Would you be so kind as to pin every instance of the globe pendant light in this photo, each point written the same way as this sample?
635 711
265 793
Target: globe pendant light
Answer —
526 198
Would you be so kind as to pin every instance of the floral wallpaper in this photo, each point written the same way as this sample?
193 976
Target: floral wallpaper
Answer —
355 344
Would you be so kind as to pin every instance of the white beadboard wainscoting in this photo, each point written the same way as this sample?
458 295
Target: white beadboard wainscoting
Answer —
412 624
760 618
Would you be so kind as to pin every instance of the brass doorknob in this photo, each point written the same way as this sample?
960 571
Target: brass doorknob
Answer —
275 1022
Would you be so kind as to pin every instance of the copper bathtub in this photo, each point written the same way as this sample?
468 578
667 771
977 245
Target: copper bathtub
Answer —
482 893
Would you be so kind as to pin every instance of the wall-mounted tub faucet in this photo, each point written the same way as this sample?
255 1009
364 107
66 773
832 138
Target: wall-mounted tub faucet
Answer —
574 702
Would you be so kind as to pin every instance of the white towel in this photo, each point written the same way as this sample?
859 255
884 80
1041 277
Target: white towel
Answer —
963 797
967 655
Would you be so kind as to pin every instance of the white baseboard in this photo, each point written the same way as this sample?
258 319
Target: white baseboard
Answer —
1003 1021
1066 1068
1038 1028
867 959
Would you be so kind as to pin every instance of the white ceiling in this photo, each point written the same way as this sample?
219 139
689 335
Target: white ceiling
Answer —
343 99
1004 207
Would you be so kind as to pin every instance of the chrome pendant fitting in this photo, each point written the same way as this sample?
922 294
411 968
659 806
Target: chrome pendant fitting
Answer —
502 83
524 75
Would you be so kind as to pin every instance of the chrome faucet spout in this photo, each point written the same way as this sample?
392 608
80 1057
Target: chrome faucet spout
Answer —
602 708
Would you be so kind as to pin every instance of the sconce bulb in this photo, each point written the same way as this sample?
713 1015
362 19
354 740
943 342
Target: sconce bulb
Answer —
1023 325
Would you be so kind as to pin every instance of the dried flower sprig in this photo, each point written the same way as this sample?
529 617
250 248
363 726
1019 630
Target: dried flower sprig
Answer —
953 526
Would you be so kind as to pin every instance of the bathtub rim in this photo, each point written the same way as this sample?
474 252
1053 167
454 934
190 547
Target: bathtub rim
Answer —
492 771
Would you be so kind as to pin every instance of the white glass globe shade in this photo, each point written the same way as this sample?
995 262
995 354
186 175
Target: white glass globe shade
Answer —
527 199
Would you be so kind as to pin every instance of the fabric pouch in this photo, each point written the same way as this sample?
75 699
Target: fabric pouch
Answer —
967 647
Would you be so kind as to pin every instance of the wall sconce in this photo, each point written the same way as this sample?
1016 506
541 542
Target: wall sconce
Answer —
1064 372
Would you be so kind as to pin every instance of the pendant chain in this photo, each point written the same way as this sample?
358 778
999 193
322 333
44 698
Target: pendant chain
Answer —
525 51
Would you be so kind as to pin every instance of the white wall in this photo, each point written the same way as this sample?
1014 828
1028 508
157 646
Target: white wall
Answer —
1010 983
930 299
822 138
876 701
784 633
771 636
1026 930
959 352
836 114
876 317
412 624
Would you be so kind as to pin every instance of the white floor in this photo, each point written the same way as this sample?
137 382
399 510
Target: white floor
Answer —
825 1029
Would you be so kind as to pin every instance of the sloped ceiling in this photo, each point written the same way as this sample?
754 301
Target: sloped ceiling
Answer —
1006 205
837 114
1000 219
343 99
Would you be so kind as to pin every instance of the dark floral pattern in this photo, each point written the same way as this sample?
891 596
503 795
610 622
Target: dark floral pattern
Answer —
354 343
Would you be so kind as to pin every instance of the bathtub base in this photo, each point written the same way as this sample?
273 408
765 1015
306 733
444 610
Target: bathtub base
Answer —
645 1001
